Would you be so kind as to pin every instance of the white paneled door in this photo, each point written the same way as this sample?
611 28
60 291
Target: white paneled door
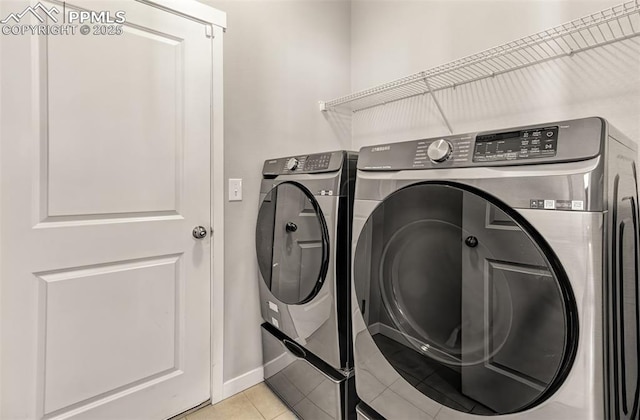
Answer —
105 171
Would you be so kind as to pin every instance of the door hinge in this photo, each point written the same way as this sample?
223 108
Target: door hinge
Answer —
208 31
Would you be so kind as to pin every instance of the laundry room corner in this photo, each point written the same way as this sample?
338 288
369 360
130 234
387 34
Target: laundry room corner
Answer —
281 57
421 35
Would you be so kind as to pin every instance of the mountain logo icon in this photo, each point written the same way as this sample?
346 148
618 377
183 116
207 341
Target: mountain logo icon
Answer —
35 11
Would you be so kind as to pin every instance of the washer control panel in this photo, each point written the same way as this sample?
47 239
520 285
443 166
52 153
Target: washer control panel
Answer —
292 164
440 151
562 141
320 162
516 145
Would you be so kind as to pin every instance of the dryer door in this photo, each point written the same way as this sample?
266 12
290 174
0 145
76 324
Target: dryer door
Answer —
292 243
464 299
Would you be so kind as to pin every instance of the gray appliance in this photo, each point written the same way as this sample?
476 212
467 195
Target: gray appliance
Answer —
496 273
303 244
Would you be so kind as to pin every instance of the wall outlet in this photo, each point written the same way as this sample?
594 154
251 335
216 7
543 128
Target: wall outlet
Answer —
235 189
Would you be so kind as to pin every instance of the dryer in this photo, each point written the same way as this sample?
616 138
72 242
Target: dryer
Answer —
496 274
303 242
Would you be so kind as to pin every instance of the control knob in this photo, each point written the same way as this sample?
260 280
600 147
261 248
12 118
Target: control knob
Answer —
439 150
292 164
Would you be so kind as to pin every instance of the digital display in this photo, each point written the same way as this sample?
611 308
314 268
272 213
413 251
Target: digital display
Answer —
317 162
516 145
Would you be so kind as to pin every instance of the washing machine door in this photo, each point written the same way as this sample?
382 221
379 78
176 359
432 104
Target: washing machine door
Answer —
464 299
292 243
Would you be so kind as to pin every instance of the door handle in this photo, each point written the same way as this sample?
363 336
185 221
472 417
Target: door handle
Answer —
294 348
471 241
291 227
199 232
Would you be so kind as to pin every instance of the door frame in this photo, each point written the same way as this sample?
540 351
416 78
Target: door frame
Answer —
215 23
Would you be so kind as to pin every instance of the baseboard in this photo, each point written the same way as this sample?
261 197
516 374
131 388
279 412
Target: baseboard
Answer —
242 382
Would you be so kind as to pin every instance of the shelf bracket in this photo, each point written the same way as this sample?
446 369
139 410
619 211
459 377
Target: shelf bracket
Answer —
435 100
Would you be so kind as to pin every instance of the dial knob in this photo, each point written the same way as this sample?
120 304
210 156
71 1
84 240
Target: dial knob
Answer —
439 150
292 164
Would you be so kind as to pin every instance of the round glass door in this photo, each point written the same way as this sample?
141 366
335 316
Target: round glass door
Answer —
292 243
464 299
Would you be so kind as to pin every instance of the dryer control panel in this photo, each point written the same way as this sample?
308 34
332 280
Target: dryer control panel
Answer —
304 164
514 145
563 141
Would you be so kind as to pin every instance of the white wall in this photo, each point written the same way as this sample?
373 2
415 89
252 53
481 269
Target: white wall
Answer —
280 58
391 39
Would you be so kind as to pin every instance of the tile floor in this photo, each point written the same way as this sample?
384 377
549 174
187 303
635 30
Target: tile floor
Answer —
255 403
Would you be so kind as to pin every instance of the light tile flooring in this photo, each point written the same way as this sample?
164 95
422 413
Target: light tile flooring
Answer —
256 403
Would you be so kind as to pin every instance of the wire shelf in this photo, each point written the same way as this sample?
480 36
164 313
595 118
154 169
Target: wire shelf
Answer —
605 27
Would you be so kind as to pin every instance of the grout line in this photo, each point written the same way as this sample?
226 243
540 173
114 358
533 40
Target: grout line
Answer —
272 396
251 402
244 403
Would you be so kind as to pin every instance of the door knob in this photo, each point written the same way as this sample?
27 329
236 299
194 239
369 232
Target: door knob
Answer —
199 232
291 227
471 241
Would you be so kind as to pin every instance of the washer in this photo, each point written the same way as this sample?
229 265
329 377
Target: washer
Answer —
496 274
303 243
